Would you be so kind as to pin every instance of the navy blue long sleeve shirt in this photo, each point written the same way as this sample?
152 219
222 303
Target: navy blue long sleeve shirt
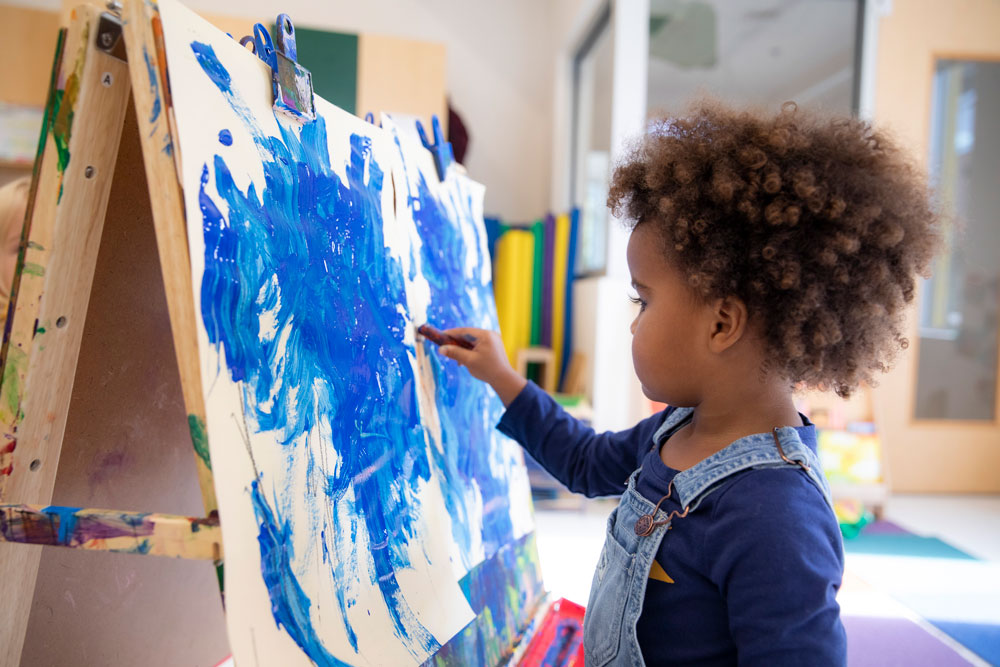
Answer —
749 577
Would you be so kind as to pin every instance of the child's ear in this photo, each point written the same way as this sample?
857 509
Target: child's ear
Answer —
729 323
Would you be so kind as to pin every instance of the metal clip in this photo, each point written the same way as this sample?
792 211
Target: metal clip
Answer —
291 84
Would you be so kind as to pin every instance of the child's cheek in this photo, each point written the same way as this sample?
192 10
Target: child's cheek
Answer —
640 356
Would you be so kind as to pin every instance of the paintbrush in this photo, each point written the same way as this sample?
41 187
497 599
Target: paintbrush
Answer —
441 338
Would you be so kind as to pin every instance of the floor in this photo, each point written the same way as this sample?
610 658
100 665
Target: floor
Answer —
570 540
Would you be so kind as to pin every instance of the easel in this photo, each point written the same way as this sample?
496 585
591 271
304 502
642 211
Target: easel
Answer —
96 256
91 302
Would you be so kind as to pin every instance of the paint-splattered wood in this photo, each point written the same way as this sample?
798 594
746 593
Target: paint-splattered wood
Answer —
153 109
108 530
126 447
56 269
26 288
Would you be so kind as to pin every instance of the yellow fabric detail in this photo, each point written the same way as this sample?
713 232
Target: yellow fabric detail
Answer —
657 572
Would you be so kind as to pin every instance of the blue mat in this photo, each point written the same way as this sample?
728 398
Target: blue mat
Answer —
909 545
983 639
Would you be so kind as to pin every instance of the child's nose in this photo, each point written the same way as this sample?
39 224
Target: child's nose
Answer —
632 326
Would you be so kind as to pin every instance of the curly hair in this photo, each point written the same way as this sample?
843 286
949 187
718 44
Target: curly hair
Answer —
820 226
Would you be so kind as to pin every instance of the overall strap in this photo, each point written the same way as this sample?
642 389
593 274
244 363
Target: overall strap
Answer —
782 447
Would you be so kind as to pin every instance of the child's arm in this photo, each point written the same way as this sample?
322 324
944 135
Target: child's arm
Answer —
586 462
774 549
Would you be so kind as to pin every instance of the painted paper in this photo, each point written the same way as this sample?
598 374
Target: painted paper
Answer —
371 512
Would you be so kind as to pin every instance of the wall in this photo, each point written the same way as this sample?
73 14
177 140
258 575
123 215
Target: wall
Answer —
499 73
30 32
928 456
499 78
602 312
508 72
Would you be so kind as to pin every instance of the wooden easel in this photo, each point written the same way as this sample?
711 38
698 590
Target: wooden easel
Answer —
101 390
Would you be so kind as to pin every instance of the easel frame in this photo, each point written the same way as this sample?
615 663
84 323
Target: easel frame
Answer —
100 59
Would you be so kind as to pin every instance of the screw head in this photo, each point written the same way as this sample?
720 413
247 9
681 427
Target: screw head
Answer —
89 172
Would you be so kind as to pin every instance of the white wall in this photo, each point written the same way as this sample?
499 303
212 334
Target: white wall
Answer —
500 73
509 67
499 78
601 310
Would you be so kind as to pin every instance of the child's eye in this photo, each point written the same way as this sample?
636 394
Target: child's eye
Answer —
639 301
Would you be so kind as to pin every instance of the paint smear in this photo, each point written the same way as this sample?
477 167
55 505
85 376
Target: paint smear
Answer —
306 307
199 438
468 408
65 106
124 532
33 269
301 294
13 371
504 590
154 88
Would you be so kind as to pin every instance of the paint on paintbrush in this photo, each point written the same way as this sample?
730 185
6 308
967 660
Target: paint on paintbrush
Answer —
439 337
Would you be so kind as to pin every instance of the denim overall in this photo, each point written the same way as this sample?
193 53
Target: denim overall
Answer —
616 595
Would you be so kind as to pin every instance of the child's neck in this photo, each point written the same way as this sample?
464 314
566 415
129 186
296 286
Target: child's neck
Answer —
720 420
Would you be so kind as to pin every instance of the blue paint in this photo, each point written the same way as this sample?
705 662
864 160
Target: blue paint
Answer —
503 591
307 254
153 86
66 517
568 635
142 548
468 409
225 137
301 296
205 55
289 603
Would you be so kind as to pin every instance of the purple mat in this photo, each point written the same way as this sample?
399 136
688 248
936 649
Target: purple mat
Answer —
883 527
874 641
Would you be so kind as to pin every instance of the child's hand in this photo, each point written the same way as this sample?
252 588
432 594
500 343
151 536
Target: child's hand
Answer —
486 361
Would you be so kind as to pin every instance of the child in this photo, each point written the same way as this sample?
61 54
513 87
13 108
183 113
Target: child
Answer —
766 253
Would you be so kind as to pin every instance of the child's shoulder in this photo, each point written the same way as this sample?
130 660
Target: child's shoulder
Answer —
774 495
773 515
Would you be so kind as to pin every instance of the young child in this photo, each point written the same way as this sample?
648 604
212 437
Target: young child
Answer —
766 252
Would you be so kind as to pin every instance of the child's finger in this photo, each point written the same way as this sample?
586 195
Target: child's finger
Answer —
456 353
470 334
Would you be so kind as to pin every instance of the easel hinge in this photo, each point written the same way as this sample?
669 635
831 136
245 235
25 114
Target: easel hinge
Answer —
109 36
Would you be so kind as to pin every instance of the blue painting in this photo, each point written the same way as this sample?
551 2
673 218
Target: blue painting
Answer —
371 512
